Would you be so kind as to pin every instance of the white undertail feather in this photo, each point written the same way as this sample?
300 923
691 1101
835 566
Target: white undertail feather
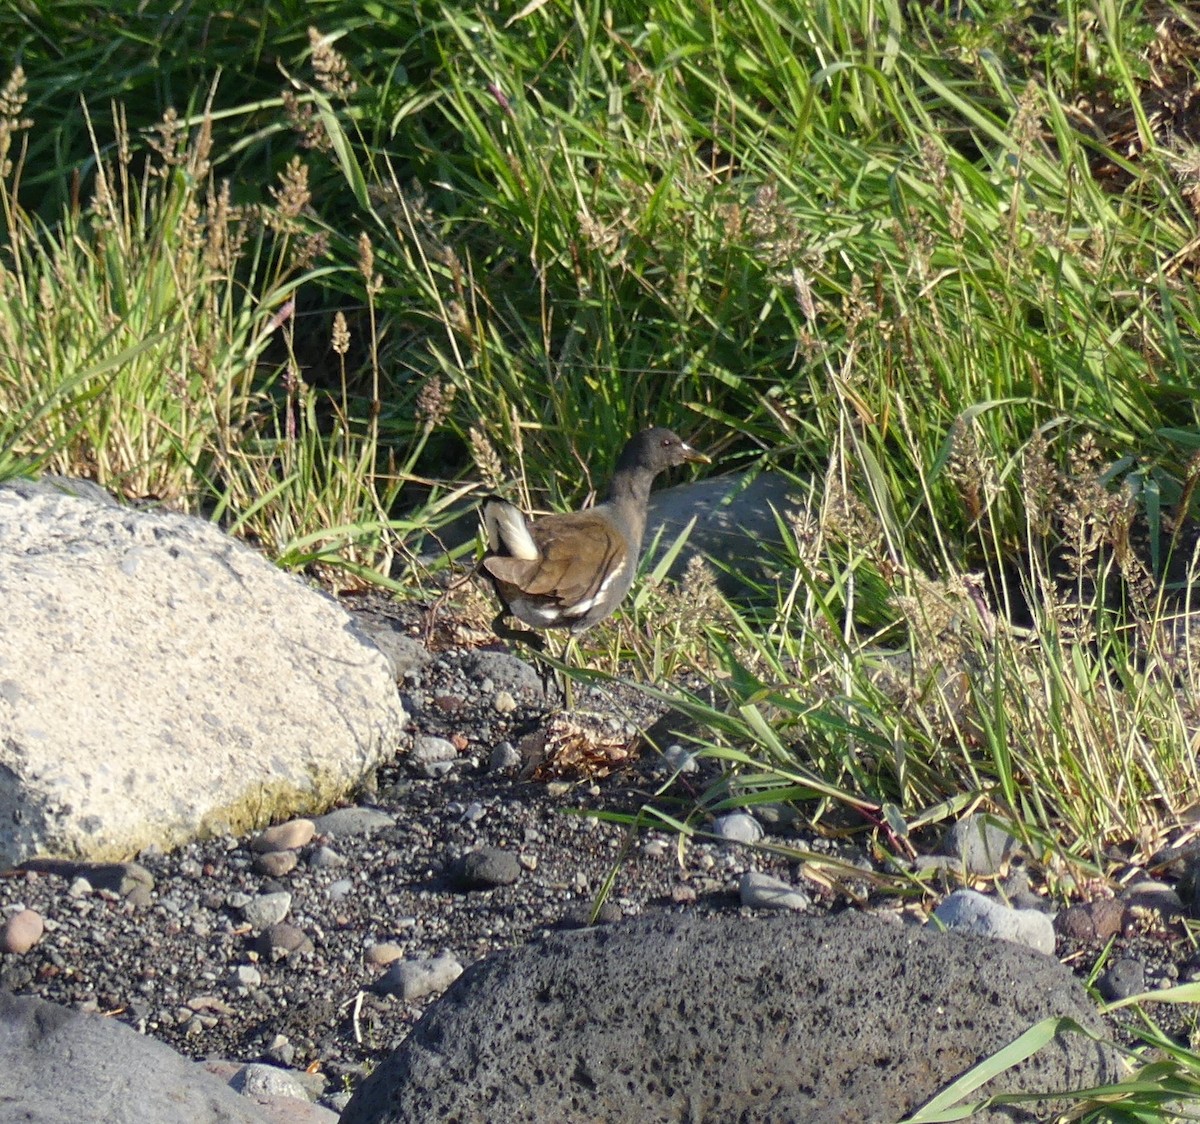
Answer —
506 530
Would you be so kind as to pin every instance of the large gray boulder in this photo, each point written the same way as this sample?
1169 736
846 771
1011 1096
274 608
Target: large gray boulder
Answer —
58 1066
159 680
786 1019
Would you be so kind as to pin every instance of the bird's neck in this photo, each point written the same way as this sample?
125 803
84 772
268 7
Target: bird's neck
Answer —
627 497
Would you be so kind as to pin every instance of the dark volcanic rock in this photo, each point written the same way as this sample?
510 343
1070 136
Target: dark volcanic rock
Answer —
782 1019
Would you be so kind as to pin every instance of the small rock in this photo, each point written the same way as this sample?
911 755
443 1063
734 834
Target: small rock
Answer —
258 1080
412 979
761 891
504 703
289 836
79 888
323 858
581 916
345 822
1148 893
275 864
267 909
1093 922
382 954
1123 977
972 911
340 888
982 844
21 932
677 759
244 975
281 939
738 827
504 758
484 869
427 749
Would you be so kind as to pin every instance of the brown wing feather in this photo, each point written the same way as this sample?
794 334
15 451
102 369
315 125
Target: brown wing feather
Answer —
562 541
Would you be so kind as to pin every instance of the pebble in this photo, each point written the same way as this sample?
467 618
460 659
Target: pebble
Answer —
413 979
323 858
267 909
281 939
21 932
345 822
289 836
244 975
678 759
427 750
761 891
1093 922
975 913
340 888
981 844
738 827
79 888
382 954
258 1080
504 702
275 864
1150 894
1124 977
504 758
484 869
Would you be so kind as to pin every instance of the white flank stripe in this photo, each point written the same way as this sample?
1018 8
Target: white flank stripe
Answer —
506 530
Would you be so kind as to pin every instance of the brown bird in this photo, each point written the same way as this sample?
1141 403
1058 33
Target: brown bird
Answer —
570 571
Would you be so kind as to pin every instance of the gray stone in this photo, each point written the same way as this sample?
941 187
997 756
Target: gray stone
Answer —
413 979
761 891
59 1066
284 706
258 1080
427 750
773 1019
281 939
504 758
346 822
736 522
485 868
679 759
267 909
507 673
982 845
738 827
969 911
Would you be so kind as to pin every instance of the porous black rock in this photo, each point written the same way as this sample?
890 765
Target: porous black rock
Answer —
784 1019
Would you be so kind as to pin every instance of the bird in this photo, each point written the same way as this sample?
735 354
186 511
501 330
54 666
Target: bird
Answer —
571 570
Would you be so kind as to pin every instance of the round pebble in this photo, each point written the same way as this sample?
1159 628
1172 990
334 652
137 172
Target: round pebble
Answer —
484 869
761 891
276 863
21 932
382 954
738 827
284 836
412 979
281 939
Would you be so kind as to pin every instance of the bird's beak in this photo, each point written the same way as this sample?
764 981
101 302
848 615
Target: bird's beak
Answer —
694 455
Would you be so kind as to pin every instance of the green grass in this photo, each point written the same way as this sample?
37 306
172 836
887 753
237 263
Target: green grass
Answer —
323 272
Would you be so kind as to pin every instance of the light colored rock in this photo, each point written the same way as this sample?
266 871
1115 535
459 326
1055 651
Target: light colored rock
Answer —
267 909
738 827
163 681
413 979
21 932
761 891
973 912
287 836
382 954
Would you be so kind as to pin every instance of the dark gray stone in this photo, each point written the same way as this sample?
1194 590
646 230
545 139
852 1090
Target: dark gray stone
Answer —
782 1019
58 1066
485 868
508 673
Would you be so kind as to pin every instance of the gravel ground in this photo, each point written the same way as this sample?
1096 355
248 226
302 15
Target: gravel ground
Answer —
184 964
